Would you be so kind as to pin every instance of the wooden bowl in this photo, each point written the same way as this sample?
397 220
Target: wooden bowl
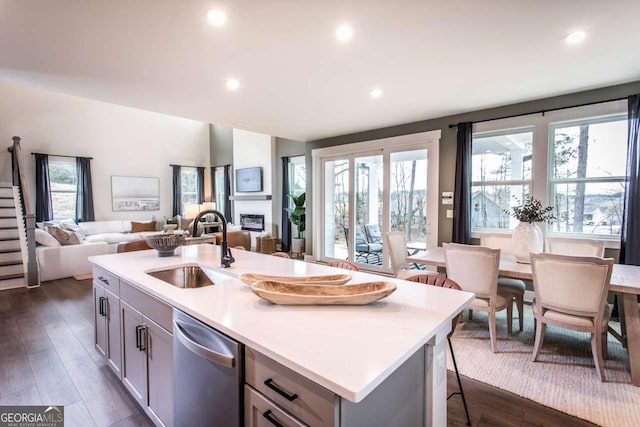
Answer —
297 294
330 279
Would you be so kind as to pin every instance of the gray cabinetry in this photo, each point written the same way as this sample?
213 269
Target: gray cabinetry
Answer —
107 326
147 353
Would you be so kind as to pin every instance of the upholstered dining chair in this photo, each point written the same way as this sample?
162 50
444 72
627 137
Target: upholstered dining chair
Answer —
475 269
397 245
444 282
346 265
506 285
571 293
236 238
135 245
575 247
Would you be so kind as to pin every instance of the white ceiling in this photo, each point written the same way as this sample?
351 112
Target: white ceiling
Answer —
431 58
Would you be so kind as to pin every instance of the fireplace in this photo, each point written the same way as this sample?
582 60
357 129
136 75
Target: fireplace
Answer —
252 222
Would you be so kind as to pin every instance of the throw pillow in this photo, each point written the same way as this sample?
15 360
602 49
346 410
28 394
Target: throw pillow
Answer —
45 239
65 237
137 227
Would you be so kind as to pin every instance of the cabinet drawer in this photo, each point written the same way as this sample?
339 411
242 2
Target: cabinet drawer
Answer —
148 305
313 404
260 412
107 280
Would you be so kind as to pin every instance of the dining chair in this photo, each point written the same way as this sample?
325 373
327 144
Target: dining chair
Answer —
571 293
136 245
346 265
442 281
575 247
506 285
281 254
236 238
475 269
397 245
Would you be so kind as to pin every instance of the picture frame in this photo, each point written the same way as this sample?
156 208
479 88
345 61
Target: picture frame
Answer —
135 193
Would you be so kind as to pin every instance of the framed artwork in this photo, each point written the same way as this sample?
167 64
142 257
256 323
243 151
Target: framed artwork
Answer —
135 193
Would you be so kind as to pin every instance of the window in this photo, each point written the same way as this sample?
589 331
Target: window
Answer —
501 175
218 177
587 181
573 160
297 175
189 182
64 180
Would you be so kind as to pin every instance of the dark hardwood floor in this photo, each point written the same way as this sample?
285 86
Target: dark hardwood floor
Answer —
47 356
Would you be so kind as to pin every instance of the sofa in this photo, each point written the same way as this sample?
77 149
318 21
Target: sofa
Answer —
56 261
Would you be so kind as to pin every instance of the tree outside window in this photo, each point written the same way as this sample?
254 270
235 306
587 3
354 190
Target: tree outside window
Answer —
64 187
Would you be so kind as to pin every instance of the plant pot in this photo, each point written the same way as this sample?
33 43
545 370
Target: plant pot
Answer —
297 246
526 238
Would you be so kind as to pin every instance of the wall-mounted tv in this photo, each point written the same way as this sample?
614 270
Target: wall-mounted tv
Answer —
249 180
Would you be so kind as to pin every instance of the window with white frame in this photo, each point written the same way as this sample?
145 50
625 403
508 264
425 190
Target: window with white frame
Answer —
573 160
587 178
501 175
64 187
297 175
189 186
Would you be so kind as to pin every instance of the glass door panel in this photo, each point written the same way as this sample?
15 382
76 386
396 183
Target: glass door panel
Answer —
368 221
408 197
336 208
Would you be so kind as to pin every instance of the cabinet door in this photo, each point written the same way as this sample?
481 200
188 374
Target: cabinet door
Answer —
160 372
112 317
134 358
99 320
261 412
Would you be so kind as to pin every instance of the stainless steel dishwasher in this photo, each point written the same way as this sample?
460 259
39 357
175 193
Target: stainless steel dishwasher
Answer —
207 375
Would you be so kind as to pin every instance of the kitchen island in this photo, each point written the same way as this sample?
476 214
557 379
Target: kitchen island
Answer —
357 353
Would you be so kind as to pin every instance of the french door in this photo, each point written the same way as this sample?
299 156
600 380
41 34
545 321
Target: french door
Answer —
366 193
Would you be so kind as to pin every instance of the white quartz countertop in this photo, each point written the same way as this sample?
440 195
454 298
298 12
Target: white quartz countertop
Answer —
349 350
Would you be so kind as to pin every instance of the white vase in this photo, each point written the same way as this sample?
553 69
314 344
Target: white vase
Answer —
297 246
526 238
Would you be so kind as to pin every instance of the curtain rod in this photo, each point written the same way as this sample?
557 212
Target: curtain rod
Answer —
61 155
186 166
542 111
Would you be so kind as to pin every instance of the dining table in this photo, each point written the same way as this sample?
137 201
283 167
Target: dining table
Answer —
625 282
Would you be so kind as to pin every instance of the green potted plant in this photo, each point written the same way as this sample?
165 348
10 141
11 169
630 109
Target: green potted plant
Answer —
298 218
527 236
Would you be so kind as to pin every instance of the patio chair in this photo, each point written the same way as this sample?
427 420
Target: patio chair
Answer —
373 233
364 249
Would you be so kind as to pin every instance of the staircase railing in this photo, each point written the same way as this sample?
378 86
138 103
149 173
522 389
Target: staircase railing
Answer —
28 215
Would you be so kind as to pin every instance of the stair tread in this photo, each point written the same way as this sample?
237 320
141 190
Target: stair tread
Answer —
9 239
9 263
12 276
9 251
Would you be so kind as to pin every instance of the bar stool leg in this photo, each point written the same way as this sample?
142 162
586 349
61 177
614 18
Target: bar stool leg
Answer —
461 392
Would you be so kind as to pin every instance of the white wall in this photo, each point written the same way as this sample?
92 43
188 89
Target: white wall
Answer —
254 149
122 141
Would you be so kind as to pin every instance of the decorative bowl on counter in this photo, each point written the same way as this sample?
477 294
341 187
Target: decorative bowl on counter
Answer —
296 294
165 244
327 279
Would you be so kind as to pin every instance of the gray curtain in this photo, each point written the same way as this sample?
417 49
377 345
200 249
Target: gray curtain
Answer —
177 190
462 193
44 209
227 193
84 193
286 224
200 193
213 186
630 233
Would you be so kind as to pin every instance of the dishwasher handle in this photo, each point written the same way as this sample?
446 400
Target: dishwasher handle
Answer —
207 353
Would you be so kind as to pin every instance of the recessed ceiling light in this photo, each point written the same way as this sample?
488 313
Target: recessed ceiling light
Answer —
233 84
217 17
576 37
344 33
376 93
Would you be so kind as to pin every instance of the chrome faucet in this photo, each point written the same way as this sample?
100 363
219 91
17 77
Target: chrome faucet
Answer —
225 253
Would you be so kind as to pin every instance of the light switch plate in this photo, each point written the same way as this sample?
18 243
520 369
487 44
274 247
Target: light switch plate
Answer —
449 213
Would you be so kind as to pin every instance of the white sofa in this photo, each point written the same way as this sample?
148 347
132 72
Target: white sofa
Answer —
100 238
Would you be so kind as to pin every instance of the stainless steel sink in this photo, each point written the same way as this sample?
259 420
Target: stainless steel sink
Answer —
186 277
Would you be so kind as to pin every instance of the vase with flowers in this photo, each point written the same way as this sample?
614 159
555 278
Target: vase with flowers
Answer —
527 236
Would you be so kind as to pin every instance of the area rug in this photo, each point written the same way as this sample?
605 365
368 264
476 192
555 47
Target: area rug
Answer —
563 378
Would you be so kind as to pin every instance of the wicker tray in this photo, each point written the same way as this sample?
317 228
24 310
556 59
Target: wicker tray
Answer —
331 279
296 294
